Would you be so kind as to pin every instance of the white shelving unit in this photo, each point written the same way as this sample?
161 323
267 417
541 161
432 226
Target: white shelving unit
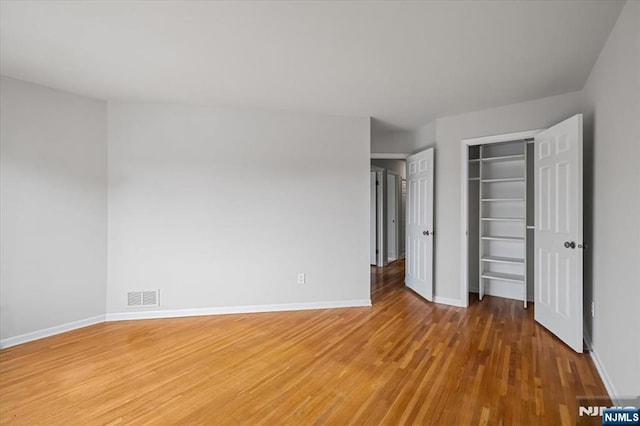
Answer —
500 172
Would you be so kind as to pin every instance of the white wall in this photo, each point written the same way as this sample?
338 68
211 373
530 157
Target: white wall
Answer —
402 142
392 142
426 137
450 131
612 110
222 207
53 213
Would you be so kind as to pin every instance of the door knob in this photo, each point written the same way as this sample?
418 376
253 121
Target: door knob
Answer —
571 244
425 233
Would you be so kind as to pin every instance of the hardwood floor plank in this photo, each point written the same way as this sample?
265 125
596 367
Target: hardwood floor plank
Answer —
402 361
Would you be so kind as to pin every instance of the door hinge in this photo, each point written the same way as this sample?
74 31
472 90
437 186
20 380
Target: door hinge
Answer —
377 183
376 251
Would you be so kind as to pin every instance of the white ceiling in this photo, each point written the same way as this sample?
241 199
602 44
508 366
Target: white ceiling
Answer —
403 63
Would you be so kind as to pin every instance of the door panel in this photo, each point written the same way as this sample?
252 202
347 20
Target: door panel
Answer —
558 242
419 223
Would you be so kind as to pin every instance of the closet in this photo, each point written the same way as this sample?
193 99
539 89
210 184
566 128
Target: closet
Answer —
506 178
500 213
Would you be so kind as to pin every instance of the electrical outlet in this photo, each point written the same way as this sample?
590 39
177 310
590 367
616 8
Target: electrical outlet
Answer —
301 278
593 309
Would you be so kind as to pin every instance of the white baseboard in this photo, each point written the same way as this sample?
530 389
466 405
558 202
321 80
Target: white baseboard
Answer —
448 301
174 313
121 316
51 331
606 379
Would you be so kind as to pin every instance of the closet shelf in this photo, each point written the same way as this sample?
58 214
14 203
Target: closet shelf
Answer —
499 259
504 219
520 179
474 160
503 277
502 199
517 157
502 238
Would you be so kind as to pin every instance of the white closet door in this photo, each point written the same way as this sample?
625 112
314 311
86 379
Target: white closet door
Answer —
419 223
558 230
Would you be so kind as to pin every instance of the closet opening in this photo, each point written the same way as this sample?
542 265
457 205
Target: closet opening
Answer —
498 206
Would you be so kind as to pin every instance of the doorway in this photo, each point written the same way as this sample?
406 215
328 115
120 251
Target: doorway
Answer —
404 217
387 210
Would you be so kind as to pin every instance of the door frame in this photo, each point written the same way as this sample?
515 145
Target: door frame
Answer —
464 167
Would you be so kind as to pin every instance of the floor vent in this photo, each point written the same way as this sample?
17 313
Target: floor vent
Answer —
139 299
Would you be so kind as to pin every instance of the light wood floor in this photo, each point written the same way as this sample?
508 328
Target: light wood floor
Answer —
403 361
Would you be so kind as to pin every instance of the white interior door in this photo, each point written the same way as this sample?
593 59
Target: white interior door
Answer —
372 222
419 223
392 212
558 230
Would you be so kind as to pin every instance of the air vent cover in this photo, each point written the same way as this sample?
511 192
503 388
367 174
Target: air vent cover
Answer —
139 299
